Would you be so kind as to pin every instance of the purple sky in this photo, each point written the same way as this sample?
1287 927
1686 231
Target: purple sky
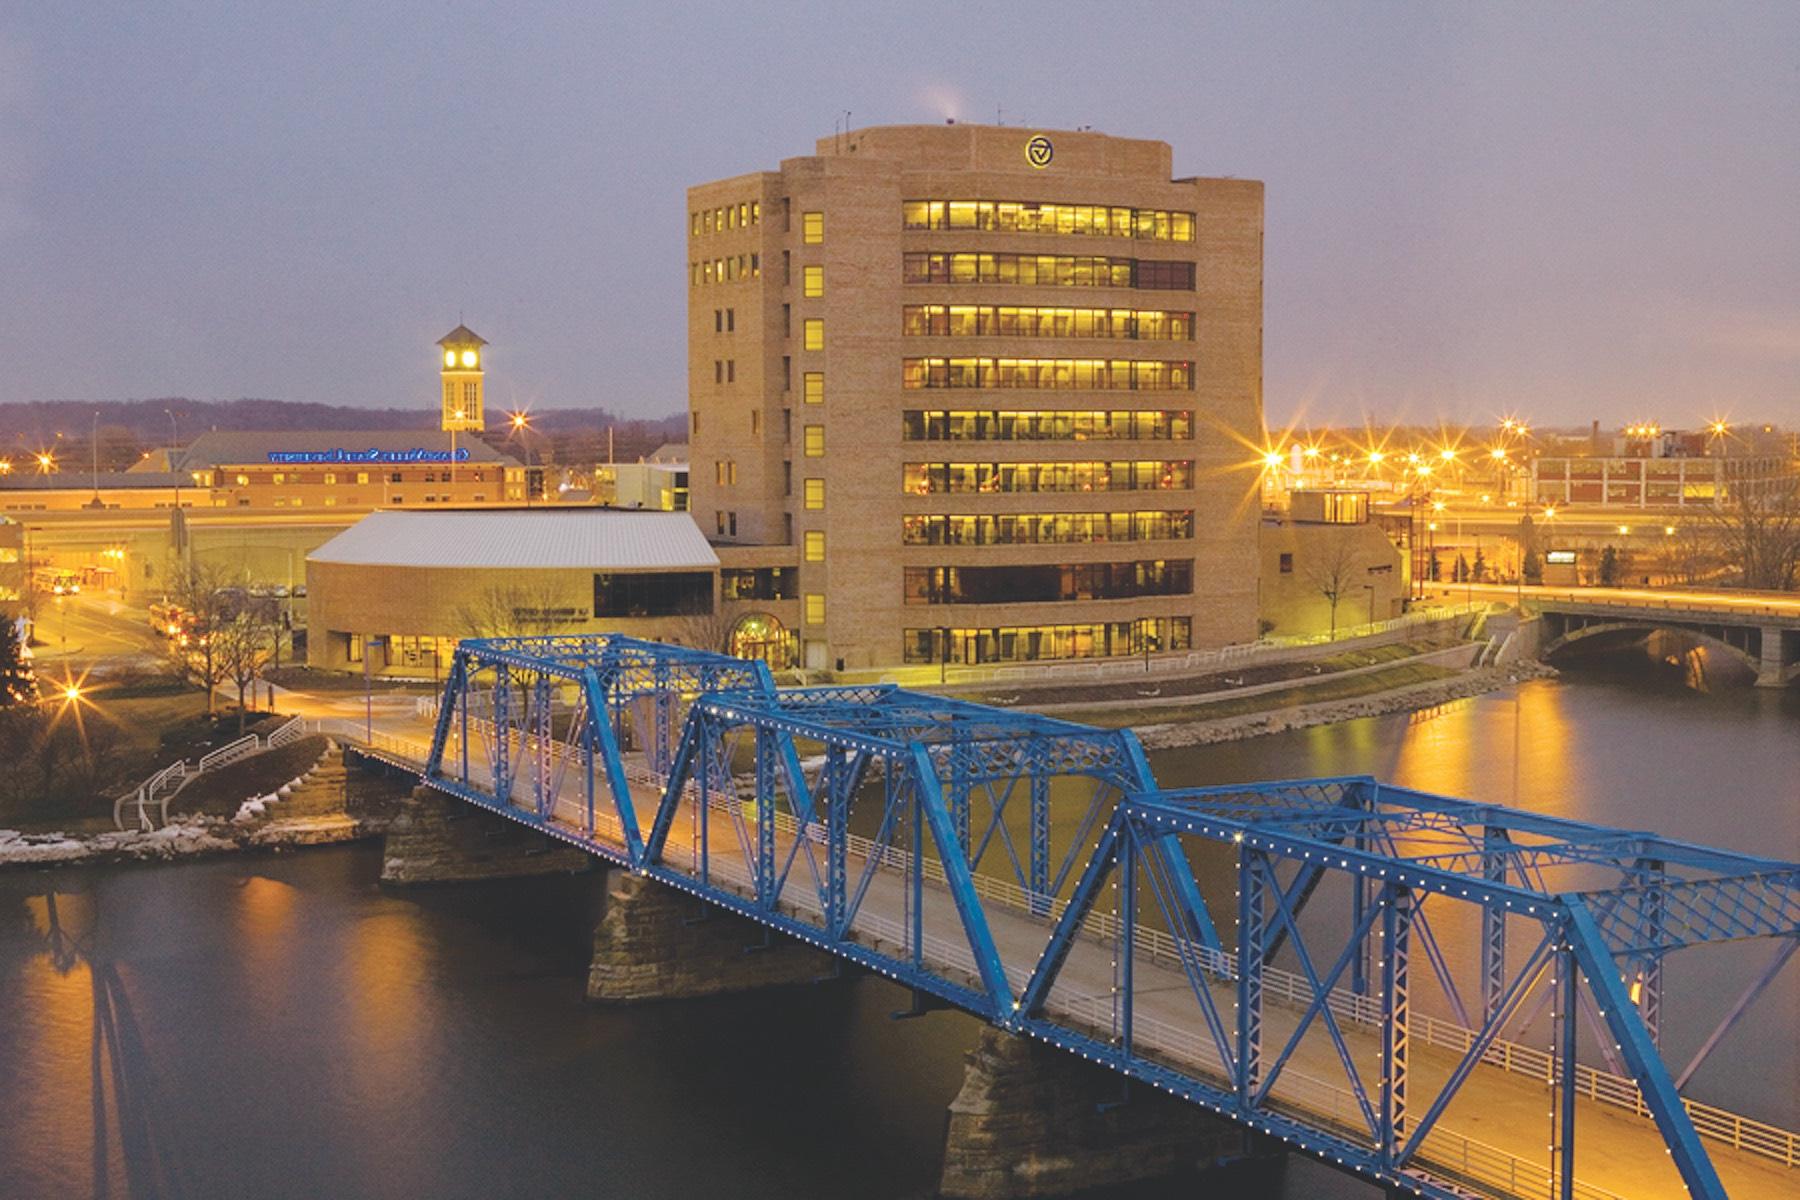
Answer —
1573 211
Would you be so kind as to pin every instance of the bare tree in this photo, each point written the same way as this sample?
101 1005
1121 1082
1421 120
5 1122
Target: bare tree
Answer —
206 604
1757 532
1689 554
1332 573
243 648
516 611
704 631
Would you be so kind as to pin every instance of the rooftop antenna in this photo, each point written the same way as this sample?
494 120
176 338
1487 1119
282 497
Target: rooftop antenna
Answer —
999 115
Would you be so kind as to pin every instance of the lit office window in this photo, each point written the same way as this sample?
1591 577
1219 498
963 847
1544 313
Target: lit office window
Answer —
813 385
812 228
813 333
1090 220
815 545
815 493
812 281
815 608
813 440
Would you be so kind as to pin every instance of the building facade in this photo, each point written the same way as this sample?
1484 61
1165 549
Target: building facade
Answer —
992 390
397 590
1642 481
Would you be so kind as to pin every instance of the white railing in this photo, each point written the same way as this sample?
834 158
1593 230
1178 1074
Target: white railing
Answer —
1290 988
230 752
292 731
162 787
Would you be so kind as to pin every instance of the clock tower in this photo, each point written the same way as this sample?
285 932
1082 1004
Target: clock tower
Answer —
462 380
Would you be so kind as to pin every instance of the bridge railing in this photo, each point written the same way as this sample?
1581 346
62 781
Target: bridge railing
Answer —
1728 607
1755 1137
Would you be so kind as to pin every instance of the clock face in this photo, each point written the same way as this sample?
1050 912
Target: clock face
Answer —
449 358
468 358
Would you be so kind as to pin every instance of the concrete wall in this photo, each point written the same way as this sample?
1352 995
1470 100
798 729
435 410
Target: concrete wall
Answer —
454 603
1299 559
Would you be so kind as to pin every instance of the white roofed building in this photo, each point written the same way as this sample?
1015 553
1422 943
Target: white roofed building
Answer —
400 588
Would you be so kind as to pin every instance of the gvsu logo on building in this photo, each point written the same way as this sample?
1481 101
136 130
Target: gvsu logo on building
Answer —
1039 151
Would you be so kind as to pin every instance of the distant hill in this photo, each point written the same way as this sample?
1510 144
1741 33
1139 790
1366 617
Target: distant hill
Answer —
128 427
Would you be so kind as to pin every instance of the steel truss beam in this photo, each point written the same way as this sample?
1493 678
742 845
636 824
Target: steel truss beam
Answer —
1608 904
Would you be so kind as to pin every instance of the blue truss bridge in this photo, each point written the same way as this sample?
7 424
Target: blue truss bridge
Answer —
1448 998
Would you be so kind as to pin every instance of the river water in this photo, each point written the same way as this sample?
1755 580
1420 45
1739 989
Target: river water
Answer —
280 1026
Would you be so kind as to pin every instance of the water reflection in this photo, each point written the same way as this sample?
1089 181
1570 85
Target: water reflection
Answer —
79 1010
281 1027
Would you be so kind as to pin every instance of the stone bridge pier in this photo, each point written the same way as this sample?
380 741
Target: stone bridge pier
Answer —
436 839
1779 663
1032 1121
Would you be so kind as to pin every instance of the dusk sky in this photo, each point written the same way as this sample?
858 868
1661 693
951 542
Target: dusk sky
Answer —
1571 211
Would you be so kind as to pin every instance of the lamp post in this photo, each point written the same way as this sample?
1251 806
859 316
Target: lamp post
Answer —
521 425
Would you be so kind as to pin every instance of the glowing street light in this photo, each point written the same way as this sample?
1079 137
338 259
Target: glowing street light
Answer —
46 464
1447 454
519 420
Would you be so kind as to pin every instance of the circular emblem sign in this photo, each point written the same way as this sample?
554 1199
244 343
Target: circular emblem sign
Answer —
1039 151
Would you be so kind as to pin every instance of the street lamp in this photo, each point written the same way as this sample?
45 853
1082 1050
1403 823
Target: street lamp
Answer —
521 424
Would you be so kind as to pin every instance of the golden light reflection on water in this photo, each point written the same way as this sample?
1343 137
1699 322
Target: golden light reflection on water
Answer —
386 966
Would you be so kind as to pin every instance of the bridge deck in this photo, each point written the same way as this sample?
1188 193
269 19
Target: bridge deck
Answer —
1492 1140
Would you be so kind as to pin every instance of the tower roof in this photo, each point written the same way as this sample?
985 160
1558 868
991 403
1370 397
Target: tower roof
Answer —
462 335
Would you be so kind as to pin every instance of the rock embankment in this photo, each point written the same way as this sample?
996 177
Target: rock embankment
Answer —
326 804
1326 712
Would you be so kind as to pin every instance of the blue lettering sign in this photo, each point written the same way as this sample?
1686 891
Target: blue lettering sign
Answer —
418 454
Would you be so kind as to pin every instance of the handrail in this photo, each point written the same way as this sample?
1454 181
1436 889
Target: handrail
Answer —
1747 1134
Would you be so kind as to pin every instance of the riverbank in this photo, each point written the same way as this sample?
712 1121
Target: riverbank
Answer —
326 804
1384 696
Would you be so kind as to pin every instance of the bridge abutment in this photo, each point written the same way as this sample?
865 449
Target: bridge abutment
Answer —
436 839
1033 1121
654 943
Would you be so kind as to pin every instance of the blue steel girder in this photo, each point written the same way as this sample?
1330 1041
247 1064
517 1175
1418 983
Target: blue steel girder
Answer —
1396 845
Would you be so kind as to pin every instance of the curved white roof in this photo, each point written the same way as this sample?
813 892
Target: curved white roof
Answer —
586 538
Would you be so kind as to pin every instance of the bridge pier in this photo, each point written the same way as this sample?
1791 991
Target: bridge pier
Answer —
1033 1121
436 839
655 943
1775 667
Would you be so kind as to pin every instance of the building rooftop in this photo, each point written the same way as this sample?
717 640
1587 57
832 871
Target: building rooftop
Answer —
599 539
300 447
462 335
77 480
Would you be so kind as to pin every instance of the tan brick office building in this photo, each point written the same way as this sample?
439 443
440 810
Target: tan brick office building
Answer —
993 392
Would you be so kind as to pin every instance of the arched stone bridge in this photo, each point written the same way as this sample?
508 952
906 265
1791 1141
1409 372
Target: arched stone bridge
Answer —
1761 631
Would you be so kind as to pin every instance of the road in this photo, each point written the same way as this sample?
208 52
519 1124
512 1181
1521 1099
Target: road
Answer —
89 626
1783 606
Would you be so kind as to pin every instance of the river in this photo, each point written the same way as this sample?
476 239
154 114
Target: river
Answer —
281 1027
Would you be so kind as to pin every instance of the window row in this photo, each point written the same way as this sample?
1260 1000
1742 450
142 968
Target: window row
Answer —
1041 529
1046 270
673 593
1061 374
729 269
1040 643
1049 582
988 320
925 479
759 583
1010 216
1049 425
741 215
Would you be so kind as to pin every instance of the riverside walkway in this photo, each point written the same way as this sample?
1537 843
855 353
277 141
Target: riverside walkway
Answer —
1264 951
